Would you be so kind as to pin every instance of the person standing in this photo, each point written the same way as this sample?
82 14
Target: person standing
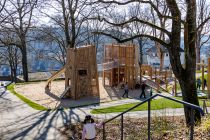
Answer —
150 91
89 131
125 90
143 86
198 83
204 83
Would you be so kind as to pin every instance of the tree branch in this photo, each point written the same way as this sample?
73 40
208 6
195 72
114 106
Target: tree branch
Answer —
134 19
134 37
203 23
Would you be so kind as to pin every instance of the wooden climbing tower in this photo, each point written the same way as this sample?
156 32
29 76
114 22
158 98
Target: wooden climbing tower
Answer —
81 72
119 64
81 76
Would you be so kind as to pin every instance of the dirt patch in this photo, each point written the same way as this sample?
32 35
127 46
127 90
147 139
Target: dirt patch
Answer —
162 128
51 98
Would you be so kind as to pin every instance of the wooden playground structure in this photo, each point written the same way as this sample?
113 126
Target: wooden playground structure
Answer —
203 65
154 77
119 65
81 76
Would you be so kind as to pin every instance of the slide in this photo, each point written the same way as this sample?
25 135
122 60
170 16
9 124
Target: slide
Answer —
55 75
65 91
153 84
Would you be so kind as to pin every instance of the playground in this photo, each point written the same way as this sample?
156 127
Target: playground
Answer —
80 85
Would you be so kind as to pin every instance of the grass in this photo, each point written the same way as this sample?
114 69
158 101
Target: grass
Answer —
155 105
200 71
205 77
24 99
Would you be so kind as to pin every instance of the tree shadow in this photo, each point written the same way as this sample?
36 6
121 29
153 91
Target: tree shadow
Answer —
41 125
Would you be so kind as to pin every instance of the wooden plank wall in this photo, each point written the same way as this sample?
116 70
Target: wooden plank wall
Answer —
125 72
82 59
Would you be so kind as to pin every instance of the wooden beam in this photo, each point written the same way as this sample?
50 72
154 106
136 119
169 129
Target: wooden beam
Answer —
201 64
208 79
203 76
166 79
118 69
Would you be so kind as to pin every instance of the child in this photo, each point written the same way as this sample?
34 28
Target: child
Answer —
89 131
125 90
143 86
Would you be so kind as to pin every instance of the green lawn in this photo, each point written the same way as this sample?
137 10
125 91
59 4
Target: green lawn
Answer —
155 105
205 77
24 99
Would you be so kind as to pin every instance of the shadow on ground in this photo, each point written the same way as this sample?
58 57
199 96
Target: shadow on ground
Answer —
39 125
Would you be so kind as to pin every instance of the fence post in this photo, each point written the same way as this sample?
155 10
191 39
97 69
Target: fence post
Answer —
192 124
149 119
122 127
104 136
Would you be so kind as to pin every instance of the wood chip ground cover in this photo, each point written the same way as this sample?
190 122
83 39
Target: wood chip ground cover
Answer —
162 128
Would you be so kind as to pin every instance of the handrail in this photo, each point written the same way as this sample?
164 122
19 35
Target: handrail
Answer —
182 102
192 106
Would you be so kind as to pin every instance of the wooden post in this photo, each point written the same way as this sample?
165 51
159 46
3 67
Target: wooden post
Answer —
166 79
155 74
151 72
208 79
96 70
140 73
133 67
104 76
158 84
118 75
203 76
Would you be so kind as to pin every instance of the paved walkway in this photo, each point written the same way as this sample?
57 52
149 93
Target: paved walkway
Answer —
19 121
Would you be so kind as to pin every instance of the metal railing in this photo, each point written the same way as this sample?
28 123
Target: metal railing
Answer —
192 106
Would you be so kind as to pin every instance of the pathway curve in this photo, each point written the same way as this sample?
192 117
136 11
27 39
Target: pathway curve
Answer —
19 121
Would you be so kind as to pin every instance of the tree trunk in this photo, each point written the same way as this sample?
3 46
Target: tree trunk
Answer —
66 24
15 75
12 75
141 58
187 79
160 55
24 63
186 74
188 87
198 53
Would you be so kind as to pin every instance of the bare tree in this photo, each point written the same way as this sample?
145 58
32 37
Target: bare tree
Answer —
19 19
12 56
185 74
2 5
10 53
203 32
52 36
70 16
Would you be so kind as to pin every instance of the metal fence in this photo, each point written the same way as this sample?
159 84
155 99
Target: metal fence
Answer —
121 115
